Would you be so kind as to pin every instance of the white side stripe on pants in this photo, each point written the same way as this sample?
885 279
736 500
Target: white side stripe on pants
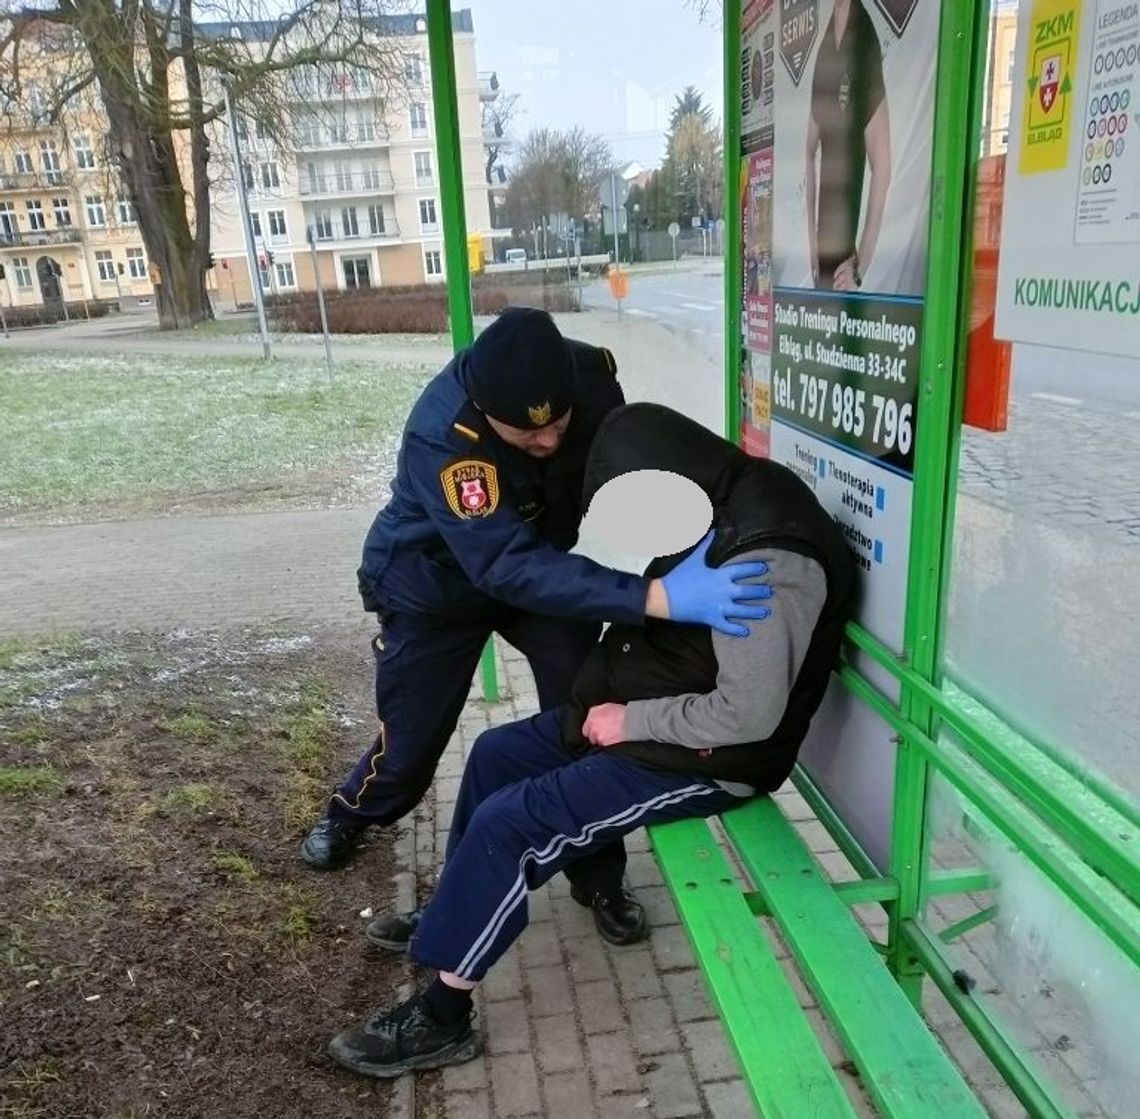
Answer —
551 852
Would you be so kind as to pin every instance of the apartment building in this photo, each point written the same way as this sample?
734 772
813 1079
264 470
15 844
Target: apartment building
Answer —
67 229
361 175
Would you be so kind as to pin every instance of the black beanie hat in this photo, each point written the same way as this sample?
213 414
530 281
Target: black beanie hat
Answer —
521 371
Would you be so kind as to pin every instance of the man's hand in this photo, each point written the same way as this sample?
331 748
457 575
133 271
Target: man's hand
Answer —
845 275
605 724
719 597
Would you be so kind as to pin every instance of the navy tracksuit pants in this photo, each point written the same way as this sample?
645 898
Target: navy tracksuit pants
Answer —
424 668
528 809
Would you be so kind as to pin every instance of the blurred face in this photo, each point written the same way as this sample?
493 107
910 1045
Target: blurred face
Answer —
538 442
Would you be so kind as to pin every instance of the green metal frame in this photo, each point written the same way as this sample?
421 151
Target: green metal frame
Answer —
1077 830
449 157
733 246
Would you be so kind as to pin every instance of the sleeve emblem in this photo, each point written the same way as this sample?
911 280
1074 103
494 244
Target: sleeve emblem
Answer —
471 488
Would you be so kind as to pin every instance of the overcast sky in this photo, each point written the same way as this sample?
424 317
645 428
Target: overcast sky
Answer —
611 66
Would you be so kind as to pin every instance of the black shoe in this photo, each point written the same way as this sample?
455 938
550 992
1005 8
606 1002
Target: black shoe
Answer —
331 842
397 1041
394 931
619 918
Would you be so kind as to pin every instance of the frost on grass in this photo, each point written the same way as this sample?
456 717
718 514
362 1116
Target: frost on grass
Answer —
77 430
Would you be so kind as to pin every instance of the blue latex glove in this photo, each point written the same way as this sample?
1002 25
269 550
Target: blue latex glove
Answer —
715 596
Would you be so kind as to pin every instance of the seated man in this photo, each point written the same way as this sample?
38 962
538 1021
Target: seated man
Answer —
664 722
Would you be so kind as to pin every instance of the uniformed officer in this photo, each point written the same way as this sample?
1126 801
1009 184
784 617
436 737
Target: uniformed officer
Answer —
485 505
663 723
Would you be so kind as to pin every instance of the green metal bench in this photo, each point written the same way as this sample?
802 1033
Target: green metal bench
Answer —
901 1064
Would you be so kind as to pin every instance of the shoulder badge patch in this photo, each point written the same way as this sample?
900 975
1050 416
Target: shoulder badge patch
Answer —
471 487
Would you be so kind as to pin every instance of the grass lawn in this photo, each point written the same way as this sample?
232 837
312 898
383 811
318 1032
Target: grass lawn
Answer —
114 432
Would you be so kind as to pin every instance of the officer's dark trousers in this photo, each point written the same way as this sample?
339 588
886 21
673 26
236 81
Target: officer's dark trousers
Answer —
424 668
527 809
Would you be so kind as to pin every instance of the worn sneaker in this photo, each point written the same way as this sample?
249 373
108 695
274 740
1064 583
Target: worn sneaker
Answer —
619 917
331 842
393 1042
394 931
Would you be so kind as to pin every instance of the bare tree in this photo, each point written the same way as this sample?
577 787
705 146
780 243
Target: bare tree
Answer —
157 69
556 172
497 116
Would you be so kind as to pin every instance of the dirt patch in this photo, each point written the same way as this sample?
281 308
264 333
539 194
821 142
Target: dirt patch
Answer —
163 951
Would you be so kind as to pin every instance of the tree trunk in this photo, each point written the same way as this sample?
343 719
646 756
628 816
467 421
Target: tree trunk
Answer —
149 167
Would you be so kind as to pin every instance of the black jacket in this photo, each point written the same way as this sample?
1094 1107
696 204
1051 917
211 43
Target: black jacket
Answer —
756 503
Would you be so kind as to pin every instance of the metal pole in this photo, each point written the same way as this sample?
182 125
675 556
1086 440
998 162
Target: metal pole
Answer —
247 227
321 304
733 262
613 192
445 106
957 112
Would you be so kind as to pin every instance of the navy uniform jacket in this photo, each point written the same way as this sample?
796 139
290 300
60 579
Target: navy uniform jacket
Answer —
474 524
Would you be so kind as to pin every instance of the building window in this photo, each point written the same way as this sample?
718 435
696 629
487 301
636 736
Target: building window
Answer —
84 154
8 226
339 132
23 162
136 264
310 133
23 272
343 175
357 272
255 221
428 221
105 266
1009 69
96 214
263 271
270 179
49 160
424 176
36 219
365 128
277 227
433 263
37 103
261 129
414 70
322 225
247 175
371 176
285 277
127 215
62 208
348 223
376 220
417 113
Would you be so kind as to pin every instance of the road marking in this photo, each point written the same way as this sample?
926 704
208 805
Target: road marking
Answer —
643 314
1131 415
1053 398
699 306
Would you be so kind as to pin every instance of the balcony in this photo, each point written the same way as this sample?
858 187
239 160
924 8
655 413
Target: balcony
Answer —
34 180
343 136
38 237
488 85
329 89
358 183
337 233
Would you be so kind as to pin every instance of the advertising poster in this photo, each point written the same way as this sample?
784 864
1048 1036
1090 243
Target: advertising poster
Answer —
848 192
757 68
756 227
1068 272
